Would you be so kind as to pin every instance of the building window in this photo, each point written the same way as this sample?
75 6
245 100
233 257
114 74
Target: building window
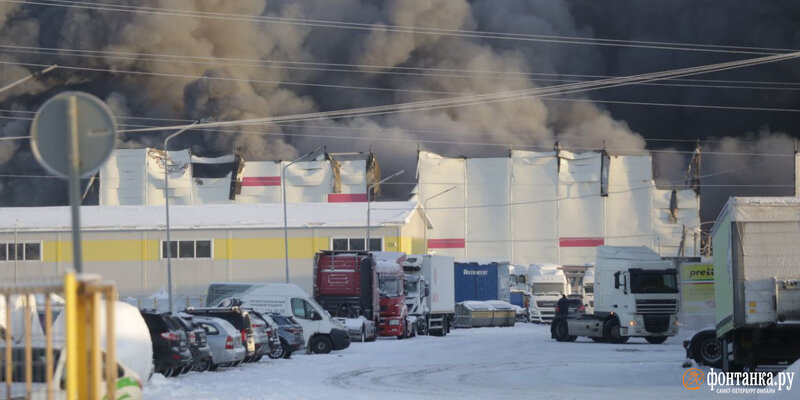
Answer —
187 248
356 244
29 251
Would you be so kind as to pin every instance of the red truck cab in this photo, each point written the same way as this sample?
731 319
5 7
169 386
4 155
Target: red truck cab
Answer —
391 282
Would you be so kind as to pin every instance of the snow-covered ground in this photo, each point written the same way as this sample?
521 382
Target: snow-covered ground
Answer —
486 363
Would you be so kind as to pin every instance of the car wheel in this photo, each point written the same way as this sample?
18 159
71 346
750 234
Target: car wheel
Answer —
707 349
287 351
176 372
236 363
611 332
213 367
205 365
321 345
167 372
258 358
277 352
655 339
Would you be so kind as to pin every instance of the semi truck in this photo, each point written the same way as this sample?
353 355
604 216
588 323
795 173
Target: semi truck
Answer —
481 279
430 292
346 286
588 289
393 317
548 283
635 295
756 286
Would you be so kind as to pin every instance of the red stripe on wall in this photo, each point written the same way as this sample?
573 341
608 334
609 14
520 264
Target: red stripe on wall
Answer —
581 242
261 181
347 197
446 243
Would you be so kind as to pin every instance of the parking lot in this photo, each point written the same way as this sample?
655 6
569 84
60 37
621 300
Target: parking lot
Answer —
491 363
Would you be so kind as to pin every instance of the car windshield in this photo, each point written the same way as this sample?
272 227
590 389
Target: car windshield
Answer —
390 286
653 282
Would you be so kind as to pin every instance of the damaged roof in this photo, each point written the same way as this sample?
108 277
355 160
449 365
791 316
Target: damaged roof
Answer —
209 216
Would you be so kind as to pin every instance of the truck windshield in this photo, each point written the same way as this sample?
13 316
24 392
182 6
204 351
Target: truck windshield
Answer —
653 282
548 287
390 286
412 287
588 288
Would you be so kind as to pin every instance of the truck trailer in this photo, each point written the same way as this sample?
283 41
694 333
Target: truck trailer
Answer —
635 295
481 279
346 286
757 281
430 292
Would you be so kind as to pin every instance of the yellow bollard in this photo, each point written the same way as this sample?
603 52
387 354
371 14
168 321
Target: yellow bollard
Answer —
73 338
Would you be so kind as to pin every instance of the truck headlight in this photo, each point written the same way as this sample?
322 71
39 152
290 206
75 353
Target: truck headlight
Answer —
394 322
632 323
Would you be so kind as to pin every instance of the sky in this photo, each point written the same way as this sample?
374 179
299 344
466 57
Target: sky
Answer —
164 62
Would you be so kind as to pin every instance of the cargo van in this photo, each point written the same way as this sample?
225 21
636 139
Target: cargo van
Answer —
322 332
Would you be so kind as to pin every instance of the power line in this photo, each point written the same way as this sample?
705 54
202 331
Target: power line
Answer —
412 29
360 69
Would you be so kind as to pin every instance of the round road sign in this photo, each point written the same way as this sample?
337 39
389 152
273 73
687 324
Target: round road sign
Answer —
96 132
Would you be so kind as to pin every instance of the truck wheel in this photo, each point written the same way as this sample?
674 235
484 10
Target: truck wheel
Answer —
403 334
321 345
655 339
707 349
561 330
611 332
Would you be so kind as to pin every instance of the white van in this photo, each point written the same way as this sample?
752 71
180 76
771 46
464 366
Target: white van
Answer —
322 332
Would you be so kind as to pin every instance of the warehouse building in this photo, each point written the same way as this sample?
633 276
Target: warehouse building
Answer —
136 177
230 242
552 207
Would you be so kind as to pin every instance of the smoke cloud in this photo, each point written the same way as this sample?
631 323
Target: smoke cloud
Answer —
233 69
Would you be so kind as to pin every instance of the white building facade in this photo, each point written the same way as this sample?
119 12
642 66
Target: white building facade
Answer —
552 207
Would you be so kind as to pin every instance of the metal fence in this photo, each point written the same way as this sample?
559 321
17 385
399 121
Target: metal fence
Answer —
51 339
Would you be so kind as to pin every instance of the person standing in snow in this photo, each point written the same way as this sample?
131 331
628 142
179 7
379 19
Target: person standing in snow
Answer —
562 308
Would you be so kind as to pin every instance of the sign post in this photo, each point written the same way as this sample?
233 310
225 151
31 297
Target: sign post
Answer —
89 139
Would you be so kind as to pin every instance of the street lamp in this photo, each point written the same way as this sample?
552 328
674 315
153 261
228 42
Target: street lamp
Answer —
369 191
166 207
425 207
25 79
285 218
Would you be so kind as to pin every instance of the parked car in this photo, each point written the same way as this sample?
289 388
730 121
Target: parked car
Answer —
224 341
198 344
239 318
290 333
575 307
171 352
270 329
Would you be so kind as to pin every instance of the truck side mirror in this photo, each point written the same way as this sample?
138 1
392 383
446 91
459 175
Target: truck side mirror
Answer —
427 291
616 280
315 316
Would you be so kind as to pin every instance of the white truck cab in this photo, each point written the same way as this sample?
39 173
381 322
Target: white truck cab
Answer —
635 295
321 332
548 282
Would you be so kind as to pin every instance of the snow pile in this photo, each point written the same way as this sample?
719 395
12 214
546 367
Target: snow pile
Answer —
389 262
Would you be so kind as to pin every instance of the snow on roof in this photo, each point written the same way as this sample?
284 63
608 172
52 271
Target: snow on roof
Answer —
388 262
209 216
627 253
765 209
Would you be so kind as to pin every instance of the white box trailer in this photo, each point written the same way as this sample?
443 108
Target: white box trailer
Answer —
756 244
437 302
